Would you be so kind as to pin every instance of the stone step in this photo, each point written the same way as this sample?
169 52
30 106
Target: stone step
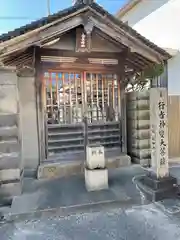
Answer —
138 105
8 131
8 76
9 146
10 160
10 175
138 114
141 153
139 134
66 168
143 162
138 124
143 95
10 190
8 120
139 143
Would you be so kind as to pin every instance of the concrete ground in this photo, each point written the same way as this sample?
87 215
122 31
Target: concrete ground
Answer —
143 222
71 191
62 209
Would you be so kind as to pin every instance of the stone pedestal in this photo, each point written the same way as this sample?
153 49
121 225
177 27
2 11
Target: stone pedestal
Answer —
96 179
96 173
158 184
155 189
95 157
11 161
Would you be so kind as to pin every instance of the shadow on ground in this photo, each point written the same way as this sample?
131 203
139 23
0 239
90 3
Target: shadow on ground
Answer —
117 213
65 192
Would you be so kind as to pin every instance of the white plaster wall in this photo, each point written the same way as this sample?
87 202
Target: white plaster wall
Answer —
28 117
158 21
174 75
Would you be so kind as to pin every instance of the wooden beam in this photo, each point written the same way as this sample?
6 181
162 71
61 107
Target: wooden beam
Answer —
96 68
45 35
142 59
60 28
68 53
110 39
34 32
39 107
123 115
126 39
134 65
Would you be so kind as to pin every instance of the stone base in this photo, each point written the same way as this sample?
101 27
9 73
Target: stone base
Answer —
157 189
69 168
143 162
96 179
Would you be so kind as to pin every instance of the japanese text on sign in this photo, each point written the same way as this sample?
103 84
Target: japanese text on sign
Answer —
162 125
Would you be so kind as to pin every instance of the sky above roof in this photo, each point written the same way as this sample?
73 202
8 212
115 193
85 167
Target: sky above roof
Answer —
16 13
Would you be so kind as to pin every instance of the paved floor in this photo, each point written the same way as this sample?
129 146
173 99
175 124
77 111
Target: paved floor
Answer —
43 194
118 213
142 223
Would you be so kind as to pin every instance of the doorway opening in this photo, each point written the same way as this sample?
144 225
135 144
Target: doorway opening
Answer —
81 107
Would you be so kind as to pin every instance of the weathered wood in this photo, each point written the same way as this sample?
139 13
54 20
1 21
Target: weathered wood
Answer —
123 119
126 39
30 35
68 53
111 30
44 36
40 106
19 60
109 40
95 68
57 30
82 41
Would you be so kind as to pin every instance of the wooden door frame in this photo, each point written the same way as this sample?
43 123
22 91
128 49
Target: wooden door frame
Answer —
80 68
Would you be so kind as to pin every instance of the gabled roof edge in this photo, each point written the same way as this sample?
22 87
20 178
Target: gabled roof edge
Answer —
95 7
40 22
127 7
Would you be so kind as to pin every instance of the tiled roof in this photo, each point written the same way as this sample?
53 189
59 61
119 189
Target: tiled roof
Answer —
39 23
43 21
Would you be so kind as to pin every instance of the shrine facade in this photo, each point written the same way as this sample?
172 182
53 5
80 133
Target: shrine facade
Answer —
65 77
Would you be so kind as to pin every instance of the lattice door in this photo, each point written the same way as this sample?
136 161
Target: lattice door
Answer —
69 97
81 108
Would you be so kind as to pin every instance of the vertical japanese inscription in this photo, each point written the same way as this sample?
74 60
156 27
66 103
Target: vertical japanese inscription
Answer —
159 131
83 41
162 125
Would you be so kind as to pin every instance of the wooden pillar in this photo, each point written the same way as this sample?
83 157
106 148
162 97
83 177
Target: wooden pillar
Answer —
40 106
121 74
123 118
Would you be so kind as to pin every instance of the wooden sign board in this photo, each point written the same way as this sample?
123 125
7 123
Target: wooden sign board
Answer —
83 41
